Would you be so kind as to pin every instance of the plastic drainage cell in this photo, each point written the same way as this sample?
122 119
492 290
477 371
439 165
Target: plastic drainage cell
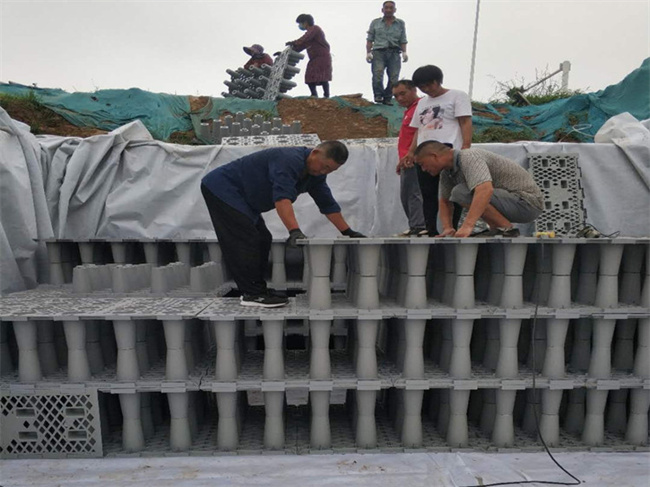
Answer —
559 178
50 425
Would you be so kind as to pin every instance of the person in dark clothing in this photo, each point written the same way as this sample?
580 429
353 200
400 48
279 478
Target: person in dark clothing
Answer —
258 57
237 193
319 67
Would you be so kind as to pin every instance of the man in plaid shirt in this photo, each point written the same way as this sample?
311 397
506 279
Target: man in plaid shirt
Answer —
491 186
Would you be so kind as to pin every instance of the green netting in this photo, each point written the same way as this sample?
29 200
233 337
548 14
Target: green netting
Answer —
551 121
164 114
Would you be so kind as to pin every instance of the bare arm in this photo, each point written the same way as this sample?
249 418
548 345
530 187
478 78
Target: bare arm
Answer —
466 131
368 46
446 211
480 201
407 160
286 214
338 221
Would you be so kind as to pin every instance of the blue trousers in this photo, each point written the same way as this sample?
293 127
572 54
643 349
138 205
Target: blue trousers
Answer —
385 60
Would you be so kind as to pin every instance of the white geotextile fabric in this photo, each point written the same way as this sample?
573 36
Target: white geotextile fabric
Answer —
630 469
126 185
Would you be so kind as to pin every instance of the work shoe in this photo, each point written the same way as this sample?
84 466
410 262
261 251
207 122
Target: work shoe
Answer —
264 300
412 232
511 232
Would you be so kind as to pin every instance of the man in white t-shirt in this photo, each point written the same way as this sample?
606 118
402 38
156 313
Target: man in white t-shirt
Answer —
446 116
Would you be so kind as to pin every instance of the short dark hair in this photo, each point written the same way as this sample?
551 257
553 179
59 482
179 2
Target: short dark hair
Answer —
335 150
405 82
427 74
434 145
387 1
305 18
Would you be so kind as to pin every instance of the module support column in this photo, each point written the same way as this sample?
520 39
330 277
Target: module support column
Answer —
366 369
320 370
127 369
75 337
273 371
600 363
180 436
226 369
367 295
29 365
319 257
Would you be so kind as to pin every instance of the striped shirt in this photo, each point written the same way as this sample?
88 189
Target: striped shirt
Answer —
475 166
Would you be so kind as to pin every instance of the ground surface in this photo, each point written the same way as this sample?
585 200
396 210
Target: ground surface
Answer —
321 116
324 117
43 120
327 119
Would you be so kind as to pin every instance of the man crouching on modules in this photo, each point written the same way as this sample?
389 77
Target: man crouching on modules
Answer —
491 186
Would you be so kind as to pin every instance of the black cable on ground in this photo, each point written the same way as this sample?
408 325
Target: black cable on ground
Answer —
576 481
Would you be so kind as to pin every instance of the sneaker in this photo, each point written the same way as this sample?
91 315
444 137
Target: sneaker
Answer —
264 300
379 100
412 232
484 233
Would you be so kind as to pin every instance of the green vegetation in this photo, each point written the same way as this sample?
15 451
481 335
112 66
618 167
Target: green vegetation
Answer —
514 92
265 114
28 109
502 134
184 138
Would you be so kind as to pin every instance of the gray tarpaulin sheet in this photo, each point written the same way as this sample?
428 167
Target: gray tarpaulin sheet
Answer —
126 185
24 218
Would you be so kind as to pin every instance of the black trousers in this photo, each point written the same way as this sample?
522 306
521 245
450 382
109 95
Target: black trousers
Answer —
245 245
429 189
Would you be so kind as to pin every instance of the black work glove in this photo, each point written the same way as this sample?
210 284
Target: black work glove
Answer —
351 233
294 235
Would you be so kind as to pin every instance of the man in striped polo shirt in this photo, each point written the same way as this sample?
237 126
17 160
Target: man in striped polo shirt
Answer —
491 186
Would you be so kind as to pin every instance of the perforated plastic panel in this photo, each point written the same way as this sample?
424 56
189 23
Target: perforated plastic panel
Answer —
310 140
559 178
50 425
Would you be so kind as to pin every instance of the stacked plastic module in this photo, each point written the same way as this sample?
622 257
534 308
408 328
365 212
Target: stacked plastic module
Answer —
559 177
396 345
265 82
242 130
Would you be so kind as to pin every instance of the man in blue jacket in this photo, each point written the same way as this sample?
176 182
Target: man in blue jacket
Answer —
237 193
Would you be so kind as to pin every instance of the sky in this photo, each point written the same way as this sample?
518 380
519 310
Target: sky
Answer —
185 47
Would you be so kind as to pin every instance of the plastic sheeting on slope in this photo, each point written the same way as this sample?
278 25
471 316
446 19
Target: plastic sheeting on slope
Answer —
591 110
630 469
163 114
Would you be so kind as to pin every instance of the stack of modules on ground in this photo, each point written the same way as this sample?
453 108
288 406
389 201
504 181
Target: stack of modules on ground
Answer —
265 82
241 130
397 344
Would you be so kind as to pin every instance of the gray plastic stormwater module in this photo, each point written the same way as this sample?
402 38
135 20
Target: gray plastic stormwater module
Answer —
397 345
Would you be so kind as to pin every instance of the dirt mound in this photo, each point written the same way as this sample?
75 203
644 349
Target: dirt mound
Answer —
329 120
324 117
42 120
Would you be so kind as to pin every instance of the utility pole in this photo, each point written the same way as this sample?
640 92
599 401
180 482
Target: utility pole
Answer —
471 71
